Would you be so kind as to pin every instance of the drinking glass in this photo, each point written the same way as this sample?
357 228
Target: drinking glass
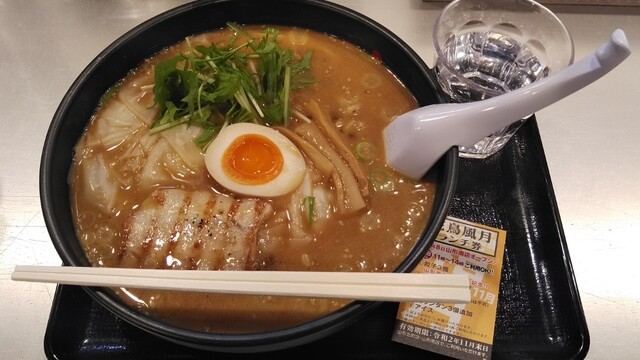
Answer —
485 48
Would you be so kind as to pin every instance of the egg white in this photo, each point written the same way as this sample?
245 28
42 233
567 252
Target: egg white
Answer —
287 181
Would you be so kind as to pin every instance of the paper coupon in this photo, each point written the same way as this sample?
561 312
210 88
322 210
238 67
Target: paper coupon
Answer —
462 331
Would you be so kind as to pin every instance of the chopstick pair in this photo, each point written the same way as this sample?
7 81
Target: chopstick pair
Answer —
398 287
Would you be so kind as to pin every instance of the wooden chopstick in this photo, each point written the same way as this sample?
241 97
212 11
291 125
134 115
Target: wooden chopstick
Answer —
397 287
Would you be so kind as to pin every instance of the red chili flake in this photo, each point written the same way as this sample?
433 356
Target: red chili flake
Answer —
376 55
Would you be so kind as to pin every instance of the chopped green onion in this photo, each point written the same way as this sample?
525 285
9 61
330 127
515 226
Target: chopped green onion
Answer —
365 151
381 180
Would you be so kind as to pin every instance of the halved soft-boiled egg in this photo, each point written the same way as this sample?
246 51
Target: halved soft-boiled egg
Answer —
255 160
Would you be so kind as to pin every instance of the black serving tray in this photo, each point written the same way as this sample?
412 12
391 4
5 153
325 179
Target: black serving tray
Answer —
539 314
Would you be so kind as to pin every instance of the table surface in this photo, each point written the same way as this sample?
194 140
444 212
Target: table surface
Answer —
590 141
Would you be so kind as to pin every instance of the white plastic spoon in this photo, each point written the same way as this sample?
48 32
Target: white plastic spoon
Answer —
415 140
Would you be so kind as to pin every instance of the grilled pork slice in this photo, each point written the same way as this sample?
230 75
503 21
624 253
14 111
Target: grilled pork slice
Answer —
193 230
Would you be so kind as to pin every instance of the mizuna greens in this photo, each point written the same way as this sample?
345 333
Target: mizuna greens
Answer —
212 86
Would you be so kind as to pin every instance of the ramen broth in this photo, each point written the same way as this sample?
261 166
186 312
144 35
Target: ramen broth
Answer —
118 165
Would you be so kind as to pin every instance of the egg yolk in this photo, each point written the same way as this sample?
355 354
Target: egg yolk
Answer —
252 159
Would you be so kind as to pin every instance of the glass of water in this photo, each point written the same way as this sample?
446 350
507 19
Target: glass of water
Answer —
485 48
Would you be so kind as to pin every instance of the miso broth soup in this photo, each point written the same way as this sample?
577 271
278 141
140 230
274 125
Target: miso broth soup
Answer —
144 194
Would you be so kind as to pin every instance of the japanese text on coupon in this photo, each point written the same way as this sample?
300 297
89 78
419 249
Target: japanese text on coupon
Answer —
462 331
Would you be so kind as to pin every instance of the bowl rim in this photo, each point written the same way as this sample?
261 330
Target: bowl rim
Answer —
250 342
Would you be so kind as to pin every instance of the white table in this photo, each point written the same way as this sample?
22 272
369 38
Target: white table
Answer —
590 139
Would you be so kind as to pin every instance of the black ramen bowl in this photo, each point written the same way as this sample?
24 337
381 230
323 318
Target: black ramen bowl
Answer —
131 49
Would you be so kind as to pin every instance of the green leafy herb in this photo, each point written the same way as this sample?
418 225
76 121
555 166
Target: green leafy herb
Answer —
108 94
211 86
309 203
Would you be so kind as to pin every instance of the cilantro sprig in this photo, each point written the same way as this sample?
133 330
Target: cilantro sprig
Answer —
213 86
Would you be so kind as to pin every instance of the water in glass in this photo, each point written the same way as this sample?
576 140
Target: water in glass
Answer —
487 64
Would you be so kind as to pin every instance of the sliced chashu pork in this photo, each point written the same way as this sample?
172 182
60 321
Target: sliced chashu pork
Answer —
193 230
